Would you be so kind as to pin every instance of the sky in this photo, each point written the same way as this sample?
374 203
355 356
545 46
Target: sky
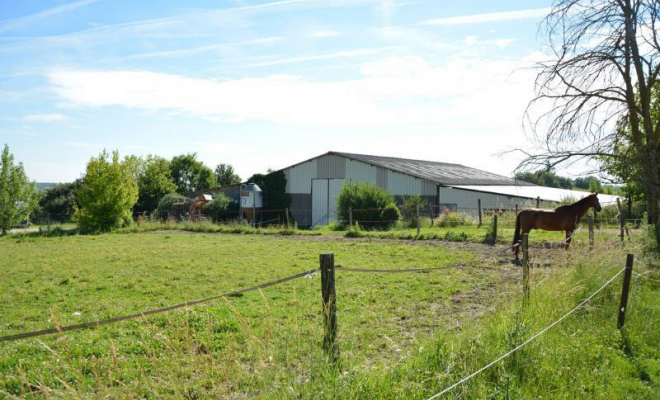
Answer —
266 84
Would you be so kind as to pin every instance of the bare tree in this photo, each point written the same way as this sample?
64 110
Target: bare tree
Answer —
604 70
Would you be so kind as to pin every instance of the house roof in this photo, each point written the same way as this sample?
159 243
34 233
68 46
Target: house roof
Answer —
438 172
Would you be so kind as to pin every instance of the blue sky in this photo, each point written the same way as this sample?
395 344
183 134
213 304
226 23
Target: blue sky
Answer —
265 84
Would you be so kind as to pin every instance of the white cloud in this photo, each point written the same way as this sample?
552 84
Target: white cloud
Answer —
395 91
490 17
52 117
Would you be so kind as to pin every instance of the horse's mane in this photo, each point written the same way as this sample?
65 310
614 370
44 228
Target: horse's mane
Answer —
579 202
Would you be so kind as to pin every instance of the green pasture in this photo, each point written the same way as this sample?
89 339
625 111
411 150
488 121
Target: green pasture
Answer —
401 336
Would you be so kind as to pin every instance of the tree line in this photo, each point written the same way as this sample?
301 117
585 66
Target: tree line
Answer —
109 192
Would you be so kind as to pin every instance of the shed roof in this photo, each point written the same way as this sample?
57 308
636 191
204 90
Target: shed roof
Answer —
544 193
438 172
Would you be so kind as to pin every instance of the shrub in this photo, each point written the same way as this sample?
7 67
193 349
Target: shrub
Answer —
221 208
165 205
454 219
371 205
410 206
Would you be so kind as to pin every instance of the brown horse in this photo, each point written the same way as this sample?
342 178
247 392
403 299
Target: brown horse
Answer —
563 218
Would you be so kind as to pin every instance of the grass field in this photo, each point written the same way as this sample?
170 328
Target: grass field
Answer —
401 335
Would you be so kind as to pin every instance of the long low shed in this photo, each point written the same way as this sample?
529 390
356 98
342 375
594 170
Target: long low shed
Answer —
314 185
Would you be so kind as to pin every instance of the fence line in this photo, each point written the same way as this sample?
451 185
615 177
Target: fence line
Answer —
445 267
150 312
532 338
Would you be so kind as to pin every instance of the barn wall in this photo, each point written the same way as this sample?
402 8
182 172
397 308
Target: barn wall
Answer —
467 200
331 167
299 177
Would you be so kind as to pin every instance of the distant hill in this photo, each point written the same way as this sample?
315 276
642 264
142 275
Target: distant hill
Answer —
43 186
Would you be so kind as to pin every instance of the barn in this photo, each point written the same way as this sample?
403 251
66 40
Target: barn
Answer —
314 185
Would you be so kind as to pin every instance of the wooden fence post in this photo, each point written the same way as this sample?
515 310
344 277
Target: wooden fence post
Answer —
479 208
494 228
286 211
419 224
329 296
625 290
431 213
621 220
525 247
516 209
538 201
350 218
591 233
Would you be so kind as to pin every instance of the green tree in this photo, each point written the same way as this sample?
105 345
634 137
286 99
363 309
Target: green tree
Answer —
225 175
274 186
18 196
154 182
60 200
545 177
190 175
165 205
107 195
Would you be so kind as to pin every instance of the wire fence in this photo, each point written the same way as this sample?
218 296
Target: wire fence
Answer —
526 342
142 314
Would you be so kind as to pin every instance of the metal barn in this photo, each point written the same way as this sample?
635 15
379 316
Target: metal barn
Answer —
314 185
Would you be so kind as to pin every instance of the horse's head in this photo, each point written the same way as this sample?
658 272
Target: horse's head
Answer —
596 204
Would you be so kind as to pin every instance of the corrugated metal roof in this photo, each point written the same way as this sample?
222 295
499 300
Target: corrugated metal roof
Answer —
533 191
442 173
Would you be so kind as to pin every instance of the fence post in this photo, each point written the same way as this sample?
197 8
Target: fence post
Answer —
254 215
419 225
479 208
494 228
329 296
350 218
625 290
431 213
48 220
621 220
516 209
538 201
286 210
591 233
525 246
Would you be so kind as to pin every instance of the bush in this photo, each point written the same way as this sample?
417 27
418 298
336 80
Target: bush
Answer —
165 205
373 207
409 209
221 208
454 219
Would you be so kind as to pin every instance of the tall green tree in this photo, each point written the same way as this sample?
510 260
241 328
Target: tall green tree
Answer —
154 182
107 195
18 196
190 174
225 175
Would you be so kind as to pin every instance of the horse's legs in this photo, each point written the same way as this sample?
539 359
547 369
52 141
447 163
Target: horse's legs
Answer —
569 236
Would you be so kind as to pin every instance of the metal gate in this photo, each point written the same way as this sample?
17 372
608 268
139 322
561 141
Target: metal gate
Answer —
324 200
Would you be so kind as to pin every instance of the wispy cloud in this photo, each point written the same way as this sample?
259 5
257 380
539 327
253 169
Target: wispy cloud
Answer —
322 34
490 17
395 91
11 24
328 56
52 117
198 50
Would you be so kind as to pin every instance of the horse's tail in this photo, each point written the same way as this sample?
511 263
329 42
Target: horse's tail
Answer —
516 233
